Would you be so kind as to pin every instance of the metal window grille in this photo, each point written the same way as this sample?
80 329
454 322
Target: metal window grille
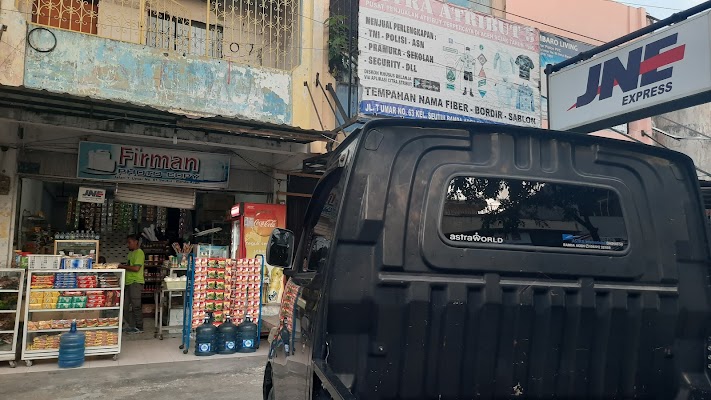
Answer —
262 33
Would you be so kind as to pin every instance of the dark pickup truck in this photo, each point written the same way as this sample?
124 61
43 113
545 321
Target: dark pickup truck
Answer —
459 261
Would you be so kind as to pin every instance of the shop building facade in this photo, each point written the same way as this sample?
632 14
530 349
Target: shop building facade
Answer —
228 78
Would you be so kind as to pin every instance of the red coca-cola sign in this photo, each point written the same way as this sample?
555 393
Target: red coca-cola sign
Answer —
265 222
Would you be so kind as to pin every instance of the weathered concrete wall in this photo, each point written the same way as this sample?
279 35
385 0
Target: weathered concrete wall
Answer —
12 44
106 69
316 113
697 120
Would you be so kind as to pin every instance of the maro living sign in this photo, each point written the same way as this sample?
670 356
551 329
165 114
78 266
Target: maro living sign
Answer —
131 163
645 77
433 60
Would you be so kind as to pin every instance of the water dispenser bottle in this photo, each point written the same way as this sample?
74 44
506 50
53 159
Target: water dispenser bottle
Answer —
227 337
71 348
205 338
247 336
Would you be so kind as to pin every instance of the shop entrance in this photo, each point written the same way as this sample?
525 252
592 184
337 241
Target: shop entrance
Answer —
56 217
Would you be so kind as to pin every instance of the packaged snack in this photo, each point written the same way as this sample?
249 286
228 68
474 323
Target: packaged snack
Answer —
210 305
219 295
218 306
220 284
211 295
211 284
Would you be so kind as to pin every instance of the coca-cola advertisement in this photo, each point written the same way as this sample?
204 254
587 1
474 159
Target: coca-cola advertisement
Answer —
259 222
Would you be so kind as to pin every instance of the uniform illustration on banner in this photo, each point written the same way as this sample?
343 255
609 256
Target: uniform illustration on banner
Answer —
434 60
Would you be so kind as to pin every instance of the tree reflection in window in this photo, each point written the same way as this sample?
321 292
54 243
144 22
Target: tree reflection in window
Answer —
543 211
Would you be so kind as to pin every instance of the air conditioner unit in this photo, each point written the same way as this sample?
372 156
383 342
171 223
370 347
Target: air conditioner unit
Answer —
183 198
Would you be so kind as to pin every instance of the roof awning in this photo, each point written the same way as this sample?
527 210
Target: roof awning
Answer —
83 107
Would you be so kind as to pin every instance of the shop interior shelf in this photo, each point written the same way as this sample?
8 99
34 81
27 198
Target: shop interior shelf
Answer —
74 309
9 290
8 311
93 328
73 289
7 332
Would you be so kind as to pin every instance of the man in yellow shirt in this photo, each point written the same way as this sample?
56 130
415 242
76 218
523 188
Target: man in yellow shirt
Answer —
134 286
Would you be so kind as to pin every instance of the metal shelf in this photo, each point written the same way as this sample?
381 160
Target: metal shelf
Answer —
29 355
93 328
74 309
8 352
72 289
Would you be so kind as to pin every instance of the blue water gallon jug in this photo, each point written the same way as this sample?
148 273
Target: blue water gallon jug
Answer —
71 348
247 336
205 338
227 337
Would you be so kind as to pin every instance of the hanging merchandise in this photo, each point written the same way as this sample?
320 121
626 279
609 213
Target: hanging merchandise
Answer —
70 213
77 215
181 223
162 214
104 214
109 216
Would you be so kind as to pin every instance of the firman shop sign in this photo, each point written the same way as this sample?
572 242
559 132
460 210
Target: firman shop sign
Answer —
656 71
138 164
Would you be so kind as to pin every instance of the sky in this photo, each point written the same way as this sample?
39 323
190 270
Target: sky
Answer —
662 8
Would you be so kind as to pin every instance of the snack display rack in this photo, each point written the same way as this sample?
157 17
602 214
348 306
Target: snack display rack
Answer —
93 297
11 285
224 286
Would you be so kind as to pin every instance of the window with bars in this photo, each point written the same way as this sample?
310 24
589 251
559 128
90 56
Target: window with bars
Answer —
184 35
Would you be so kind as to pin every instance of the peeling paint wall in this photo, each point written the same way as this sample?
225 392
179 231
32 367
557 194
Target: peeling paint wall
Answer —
12 44
107 69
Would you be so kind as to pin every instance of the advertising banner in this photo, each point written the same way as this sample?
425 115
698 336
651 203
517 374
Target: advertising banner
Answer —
433 60
665 71
138 164
556 49
259 222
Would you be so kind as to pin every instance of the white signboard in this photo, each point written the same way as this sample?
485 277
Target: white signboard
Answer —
91 195
668 65
433 60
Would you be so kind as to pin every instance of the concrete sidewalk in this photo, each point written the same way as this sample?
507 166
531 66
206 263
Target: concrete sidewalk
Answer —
233 378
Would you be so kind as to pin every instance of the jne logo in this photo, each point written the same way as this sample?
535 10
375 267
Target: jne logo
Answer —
614 73
94 193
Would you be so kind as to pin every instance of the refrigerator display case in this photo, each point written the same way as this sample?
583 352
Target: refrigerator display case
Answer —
252 225
203 250
77 247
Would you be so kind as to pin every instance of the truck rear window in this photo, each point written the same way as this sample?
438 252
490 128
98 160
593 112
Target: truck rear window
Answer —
499 211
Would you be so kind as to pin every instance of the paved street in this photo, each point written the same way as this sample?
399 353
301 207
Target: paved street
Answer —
237 378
